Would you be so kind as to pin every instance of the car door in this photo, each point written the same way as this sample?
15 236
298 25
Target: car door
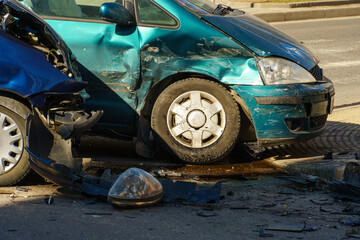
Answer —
108 56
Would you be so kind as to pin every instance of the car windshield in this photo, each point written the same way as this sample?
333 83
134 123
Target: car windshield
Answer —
198 6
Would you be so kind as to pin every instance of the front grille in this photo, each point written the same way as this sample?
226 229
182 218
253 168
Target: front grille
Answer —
317 72
318 122
306 124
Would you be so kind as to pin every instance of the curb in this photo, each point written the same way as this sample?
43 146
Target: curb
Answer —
342 135
330 169
303 4
309 14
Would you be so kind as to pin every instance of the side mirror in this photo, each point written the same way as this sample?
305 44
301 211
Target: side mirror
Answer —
116 13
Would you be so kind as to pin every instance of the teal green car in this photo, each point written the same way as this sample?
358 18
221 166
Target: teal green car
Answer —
191 77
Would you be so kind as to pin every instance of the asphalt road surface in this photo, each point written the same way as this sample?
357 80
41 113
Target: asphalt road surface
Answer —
336 43
245 209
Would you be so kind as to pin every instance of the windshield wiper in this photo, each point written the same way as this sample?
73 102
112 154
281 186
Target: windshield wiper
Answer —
222 9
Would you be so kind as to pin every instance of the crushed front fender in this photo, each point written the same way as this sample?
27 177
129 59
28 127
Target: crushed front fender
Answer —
287 113
50 138
49 155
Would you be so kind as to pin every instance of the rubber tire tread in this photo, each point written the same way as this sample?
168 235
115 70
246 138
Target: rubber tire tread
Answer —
216 151
22 168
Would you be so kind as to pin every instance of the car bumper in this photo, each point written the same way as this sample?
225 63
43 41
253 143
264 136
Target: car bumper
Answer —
50 152
288 113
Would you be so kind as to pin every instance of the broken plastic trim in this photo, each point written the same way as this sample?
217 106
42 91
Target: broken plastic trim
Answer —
80 125
61 113
49 138
76 124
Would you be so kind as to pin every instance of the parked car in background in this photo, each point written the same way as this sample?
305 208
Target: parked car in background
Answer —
190 76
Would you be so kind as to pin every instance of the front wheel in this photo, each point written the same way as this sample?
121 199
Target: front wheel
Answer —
197 120
14 164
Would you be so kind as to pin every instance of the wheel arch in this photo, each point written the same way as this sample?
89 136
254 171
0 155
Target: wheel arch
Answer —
156 90
144 129
145 141
247 126
9 100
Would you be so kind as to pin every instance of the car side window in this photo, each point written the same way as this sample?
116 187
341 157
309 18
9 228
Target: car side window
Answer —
151 14
67 8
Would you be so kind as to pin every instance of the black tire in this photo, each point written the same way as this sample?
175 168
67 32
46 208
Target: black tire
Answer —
21 168
205 148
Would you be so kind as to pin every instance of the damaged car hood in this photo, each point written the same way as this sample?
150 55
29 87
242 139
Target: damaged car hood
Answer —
24 69
25 66
262 38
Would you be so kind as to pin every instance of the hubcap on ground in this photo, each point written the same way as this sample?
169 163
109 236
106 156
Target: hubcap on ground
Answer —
196 119
11 143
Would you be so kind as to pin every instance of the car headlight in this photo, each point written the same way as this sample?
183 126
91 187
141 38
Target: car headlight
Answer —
277 71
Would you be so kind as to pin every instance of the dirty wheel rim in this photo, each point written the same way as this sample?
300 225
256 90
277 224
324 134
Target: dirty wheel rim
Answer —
196 119
11 143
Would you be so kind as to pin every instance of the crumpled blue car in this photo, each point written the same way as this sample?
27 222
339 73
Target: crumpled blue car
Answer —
37 73
184 76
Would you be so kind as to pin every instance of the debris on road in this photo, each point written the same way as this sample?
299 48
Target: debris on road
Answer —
267 205
322 203
4 191
353 233
22 189
49 200
309 228
286 213
352 174
206 213
354 223
163 173
240 207
289 227
98 214
352 208
344 191
262 233
192 192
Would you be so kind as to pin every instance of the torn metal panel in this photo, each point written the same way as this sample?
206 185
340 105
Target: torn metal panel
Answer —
212 54
203 50
191 192
109 59
32 53
27 26
24 69
216 56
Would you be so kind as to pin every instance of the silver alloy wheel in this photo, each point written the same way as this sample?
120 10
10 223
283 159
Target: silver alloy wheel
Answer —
196 119
11 143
